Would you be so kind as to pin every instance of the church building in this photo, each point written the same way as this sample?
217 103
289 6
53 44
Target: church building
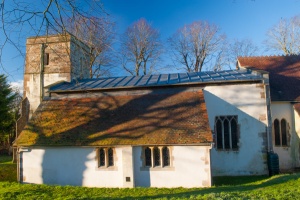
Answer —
160 130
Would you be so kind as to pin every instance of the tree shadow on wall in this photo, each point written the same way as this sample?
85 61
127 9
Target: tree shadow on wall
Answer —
163 116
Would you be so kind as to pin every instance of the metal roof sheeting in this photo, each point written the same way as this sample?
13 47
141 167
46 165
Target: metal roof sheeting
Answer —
157 80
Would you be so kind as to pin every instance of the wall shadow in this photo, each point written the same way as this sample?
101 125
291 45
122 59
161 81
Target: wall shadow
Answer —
250 157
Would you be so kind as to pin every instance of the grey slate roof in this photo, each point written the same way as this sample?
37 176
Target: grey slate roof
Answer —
157 80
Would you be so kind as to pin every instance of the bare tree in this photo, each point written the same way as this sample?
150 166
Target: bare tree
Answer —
238 48
20 19
220 58
98 33
140 48
284 37
226 56
194 44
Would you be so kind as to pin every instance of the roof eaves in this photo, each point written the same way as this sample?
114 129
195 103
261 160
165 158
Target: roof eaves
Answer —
120 145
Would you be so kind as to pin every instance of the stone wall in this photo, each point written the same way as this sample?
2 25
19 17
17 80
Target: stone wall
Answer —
51 59
21 123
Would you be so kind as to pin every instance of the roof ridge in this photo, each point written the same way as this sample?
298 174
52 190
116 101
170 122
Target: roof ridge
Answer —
269 56
135 81
109 77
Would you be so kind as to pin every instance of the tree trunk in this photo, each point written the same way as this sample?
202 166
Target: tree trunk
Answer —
15 157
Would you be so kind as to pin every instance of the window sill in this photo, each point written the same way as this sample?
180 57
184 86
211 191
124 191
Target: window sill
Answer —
112 168
168 168
283 147
228 150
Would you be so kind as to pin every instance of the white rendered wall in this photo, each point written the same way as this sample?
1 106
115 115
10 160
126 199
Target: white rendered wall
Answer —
190 167
78 166
75 166
249 104
289 155
297 129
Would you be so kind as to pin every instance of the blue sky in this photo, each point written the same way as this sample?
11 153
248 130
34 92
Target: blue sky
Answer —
238 19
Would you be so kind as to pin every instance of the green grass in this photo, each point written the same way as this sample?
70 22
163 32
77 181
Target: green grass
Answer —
285 186
8 170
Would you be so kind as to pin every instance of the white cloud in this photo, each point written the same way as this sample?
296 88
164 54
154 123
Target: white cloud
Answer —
18 85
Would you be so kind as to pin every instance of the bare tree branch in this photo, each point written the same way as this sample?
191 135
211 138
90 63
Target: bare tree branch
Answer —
99 34
20 19
140 48
238 48
284 37
193 44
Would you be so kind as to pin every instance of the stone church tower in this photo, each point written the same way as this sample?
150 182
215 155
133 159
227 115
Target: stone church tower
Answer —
52 59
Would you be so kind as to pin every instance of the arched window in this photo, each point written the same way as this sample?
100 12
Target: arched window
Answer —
105 157
234 133
101 157
226 128
226 137
219 134
166 156
283 133
148 161
277 132
156 153
156 156
110 157
280 132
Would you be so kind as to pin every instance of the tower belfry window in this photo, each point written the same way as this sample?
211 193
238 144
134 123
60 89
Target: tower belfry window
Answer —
46 58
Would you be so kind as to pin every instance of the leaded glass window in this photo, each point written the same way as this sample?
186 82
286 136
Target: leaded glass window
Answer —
219 134
110 157
156 156
280 132
101 157
148 161
226 130
166 156
156 152
277 132
283 133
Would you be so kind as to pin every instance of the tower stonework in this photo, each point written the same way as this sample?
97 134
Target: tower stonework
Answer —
52 59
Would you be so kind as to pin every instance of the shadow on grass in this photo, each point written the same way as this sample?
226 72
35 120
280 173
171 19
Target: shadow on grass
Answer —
255 187
8 170
234 186
5 159
237 180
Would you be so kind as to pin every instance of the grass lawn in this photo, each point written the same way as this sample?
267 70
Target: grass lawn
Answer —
8 170
286 186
